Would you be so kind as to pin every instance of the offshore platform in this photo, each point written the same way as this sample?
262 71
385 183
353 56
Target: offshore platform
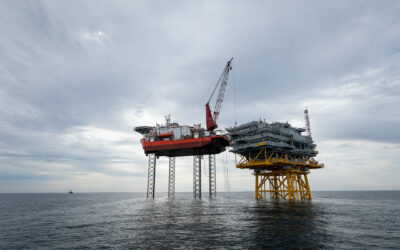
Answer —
279 155
174 140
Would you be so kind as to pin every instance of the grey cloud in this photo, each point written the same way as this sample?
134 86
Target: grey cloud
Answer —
116 65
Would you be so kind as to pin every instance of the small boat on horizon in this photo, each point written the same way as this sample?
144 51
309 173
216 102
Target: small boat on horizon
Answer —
70 192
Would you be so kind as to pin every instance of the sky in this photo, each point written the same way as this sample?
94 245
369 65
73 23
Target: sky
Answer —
76 77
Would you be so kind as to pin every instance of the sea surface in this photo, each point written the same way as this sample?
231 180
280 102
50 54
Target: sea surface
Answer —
332 220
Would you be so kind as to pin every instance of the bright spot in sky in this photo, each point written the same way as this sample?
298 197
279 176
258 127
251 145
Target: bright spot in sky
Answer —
94 36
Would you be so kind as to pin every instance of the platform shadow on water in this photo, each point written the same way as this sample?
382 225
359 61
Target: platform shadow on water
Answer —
288 224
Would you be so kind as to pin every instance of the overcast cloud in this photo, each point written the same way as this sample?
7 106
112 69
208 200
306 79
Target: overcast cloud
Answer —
76 77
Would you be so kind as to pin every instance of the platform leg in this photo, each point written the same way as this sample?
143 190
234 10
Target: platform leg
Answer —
151 177
197 176
284 184
307 188
212 176
171 177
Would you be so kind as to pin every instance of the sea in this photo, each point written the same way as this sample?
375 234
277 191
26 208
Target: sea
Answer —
234 220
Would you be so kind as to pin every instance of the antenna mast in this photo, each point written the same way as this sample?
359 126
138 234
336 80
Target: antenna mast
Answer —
307 119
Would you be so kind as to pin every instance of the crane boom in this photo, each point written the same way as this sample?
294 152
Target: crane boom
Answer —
211 120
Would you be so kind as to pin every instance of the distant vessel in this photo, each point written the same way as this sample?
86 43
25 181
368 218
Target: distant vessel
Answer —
70 192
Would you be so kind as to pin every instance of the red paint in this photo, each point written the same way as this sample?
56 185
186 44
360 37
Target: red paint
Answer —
168 146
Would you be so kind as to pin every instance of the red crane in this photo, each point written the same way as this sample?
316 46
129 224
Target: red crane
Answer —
211 120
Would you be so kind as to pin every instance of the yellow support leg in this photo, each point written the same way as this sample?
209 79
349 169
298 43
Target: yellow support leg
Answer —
259 185
256 188
289 186
307 187
284 184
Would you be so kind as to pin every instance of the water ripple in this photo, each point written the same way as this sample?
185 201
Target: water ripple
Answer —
339 220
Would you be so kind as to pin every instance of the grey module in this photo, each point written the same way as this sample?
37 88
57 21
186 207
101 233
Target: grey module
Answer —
276 137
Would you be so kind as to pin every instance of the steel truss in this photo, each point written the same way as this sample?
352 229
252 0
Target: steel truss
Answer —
197 176
282 175
151 177
283 184
171 177
264 159
212 176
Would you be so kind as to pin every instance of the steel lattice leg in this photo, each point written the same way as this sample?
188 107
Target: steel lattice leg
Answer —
212 176
151 178
283 184
171 177
197 176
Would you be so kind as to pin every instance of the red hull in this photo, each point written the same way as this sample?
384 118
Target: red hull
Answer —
185 147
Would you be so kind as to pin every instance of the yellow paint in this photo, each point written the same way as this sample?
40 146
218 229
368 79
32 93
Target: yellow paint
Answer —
290 184
262 144
286 185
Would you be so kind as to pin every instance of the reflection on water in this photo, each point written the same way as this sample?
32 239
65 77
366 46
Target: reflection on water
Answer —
288 224
128 220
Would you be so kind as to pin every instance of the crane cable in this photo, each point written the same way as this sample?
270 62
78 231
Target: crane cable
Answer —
234 94
226 174
204 166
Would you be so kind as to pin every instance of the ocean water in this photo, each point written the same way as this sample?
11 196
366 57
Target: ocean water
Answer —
332 220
